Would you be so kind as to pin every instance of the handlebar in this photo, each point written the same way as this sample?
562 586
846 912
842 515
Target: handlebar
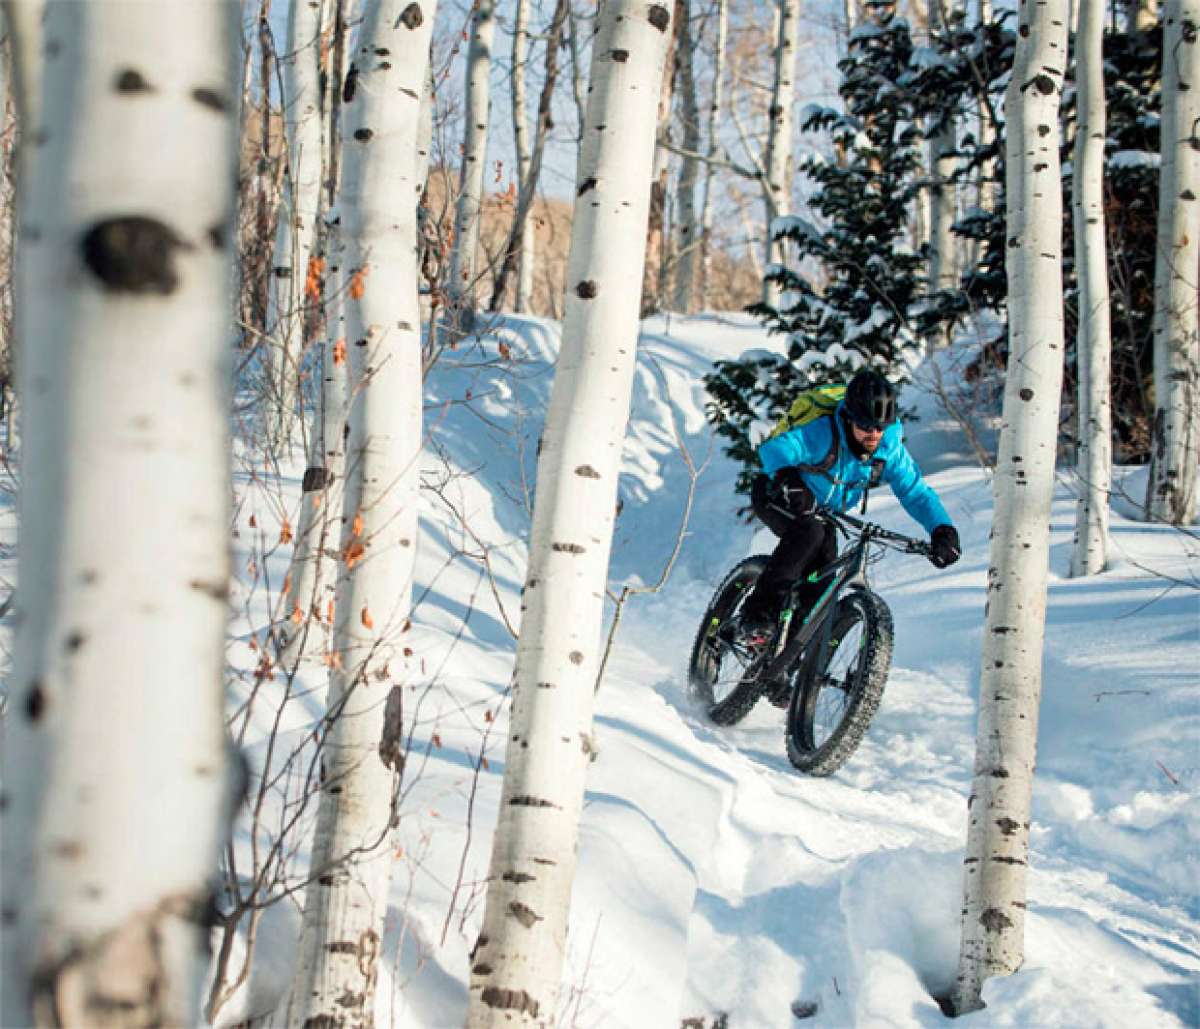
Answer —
878 534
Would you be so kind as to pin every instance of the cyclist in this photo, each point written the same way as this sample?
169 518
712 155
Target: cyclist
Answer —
827 464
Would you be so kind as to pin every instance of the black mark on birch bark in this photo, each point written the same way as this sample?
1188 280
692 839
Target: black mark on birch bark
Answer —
575 657
517 877
567 548
363 135
524 914
315 479
133 254
35 702
211 99
510 1000
1007 825
342 947
531 802
993 920
586 290
412 17
350 87
620 56
659 17
587 471
588 184
131 81
1026 394
391 741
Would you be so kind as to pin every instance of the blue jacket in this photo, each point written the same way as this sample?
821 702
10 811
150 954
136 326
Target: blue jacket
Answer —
841 488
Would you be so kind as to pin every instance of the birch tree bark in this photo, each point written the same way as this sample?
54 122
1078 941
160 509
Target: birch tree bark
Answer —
114 754
362 759
1093 341
714 146
475 140
517 961
528 239
522 226
689 169
657 241
310 579
1175 444
1010 682
299 206
777 187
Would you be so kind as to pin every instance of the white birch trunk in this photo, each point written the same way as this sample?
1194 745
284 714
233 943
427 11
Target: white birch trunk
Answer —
1010 683
689 171
114 757
520 59
777 187
714 148
299 207
471 185
943 268
517 961
350 870
24 21
1175 444
1093 342
578 84
305 623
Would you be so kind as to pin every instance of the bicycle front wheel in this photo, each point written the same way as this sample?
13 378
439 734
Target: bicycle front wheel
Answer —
842 686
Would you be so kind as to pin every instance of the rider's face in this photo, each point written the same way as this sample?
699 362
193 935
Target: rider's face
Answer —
868 439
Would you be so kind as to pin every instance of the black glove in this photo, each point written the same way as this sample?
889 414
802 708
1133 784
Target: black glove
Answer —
944 548
793 492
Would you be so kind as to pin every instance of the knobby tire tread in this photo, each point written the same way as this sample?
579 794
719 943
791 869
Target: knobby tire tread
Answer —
746 694
844 740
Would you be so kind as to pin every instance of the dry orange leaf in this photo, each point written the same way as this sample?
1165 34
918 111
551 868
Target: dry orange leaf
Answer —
357 285
285 532
486 766
367 620
357 527
437 741
297 615
253 522
487 716
339 352
354 553
312 282
329 612
505 350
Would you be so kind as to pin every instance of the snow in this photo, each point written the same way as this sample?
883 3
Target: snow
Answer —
713 878
1135 159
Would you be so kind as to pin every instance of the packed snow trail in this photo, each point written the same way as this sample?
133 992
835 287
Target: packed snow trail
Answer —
713 879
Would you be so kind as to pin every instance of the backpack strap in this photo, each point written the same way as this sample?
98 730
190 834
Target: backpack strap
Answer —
823 466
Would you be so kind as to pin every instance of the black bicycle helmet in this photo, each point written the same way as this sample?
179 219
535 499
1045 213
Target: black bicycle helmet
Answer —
870 401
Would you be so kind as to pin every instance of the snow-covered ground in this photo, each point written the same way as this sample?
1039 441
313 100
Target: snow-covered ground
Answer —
713 879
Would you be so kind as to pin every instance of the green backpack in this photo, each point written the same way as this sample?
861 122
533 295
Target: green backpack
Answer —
808 407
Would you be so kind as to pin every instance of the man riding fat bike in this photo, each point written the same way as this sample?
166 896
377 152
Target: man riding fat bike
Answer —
826 464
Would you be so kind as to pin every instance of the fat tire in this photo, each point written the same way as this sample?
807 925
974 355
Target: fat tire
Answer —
870 677
701 675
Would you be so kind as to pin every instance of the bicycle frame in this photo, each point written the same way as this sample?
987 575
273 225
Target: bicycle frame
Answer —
848 568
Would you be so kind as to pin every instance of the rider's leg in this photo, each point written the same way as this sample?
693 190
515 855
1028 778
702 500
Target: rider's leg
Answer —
803 539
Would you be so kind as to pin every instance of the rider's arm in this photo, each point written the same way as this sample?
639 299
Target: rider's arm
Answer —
914 493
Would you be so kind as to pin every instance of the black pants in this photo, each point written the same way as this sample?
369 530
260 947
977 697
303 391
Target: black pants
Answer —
806 542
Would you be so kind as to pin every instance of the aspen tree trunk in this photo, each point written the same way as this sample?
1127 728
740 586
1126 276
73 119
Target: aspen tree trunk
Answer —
1093 342
689 170
527 254
943 268
1175 444
362 759
993 935
296 224
309 582
522 226
471 185
578 86
114 757
777 188
517 961
657 244
714 147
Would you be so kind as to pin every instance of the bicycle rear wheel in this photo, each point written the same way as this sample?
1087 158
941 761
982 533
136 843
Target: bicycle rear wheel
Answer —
842 686
722 674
